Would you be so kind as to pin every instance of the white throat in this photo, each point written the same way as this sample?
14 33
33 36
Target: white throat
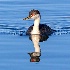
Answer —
36 26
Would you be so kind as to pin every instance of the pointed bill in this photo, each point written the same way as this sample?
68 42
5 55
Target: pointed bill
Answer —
26 18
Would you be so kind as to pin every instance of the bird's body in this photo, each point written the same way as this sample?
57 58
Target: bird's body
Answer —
37 32
43 28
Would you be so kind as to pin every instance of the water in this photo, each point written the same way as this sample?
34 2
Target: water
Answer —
14 49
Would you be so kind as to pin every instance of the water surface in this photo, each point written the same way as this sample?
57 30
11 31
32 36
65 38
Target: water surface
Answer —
14 48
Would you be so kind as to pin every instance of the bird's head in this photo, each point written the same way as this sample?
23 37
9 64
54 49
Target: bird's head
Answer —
33 14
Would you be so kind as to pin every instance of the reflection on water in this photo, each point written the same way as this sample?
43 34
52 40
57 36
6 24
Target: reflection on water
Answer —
35 56
21 31
36 38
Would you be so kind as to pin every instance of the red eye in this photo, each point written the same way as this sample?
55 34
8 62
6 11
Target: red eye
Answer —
32 15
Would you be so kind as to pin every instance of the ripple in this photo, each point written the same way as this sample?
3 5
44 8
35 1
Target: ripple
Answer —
21 31
12 29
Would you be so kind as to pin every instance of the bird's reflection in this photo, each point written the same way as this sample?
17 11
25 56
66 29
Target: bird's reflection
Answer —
36 38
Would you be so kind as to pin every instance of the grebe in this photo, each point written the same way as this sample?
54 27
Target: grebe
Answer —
37 32
37 28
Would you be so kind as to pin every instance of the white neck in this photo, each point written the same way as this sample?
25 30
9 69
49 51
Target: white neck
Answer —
36 26
35 40
37 21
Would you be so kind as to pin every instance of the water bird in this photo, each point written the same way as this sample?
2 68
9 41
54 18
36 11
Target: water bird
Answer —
37 32
37 28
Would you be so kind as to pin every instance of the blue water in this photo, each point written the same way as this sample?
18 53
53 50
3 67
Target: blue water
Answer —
14 49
